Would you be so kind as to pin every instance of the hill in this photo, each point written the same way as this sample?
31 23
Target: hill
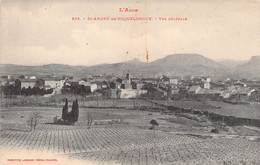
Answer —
56 69
171 65
231 64
186 64
250 69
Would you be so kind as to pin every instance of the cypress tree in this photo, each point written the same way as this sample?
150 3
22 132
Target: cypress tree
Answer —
73 115
65 111
76 110
72 112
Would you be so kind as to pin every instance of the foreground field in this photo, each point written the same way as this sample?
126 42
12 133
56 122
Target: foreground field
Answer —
250 111
177 140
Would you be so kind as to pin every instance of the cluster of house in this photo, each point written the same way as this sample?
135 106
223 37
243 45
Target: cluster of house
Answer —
203 87
26 81
200 87
132 87
117 87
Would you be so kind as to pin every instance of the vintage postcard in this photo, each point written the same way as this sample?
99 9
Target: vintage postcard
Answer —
129 82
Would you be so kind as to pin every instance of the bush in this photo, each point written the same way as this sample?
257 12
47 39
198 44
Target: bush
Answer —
33 120
214 130
35 91
154 122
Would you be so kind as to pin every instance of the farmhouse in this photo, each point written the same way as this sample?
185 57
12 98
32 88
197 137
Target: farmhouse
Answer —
194 89
54 82
24 83
244 92
93 86
131 93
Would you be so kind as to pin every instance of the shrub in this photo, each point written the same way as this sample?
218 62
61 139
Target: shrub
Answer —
214 130
154 122
33 120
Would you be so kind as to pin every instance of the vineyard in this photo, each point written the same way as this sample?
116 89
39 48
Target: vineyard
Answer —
251 111
127 141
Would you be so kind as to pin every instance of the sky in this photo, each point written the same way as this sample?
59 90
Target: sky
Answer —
43 32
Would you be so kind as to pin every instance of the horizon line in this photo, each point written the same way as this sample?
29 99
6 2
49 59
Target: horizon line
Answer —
134 58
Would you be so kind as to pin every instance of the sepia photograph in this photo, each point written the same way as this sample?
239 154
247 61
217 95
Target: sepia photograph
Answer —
142 82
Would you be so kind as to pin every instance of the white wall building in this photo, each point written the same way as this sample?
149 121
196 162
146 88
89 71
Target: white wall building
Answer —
93 86
131 93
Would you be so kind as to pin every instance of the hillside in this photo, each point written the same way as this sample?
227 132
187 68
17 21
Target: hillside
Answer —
186 60
186 64
56 69
250 69
171 65
231 64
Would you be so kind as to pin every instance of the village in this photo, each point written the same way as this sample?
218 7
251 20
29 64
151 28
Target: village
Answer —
130 83
128 87
108 119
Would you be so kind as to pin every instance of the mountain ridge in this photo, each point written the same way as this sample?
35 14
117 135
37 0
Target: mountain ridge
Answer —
170 65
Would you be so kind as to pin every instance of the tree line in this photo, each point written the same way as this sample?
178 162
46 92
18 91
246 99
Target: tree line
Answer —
12 90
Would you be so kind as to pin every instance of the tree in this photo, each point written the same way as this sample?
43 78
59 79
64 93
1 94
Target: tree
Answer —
76 110
33 120
65 111
73 115
89 119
